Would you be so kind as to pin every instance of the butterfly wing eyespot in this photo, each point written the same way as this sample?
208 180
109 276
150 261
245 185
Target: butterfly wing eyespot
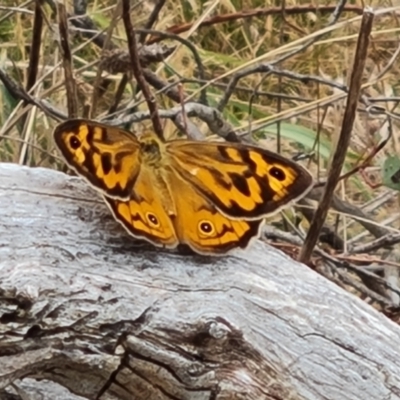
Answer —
243 182
206 228
278 173
74 142
109 158
152 220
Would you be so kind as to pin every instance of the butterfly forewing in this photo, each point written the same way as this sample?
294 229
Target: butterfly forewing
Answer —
109 158
244 182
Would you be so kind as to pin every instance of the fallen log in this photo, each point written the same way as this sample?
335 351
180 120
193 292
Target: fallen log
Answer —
86 308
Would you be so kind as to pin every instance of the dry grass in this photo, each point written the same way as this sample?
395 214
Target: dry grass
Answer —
307 111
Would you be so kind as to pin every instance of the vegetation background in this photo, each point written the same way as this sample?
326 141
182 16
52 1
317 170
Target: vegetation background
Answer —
290 62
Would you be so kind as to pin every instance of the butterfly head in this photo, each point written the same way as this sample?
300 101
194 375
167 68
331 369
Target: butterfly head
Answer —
152 149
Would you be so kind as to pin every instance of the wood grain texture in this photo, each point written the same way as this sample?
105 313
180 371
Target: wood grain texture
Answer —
79 299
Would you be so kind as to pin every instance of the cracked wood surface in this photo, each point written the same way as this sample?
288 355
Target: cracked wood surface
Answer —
84 307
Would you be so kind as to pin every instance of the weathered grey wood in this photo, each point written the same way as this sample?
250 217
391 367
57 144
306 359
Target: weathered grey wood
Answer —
76 294
34 390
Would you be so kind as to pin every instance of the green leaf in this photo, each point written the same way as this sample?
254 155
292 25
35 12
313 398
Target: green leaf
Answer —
391 173
307 137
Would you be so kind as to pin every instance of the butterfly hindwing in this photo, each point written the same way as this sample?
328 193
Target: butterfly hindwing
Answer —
200 225
145 215
244 182
188 218
108 157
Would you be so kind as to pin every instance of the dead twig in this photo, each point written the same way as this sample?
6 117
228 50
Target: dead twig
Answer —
70 84
260 12
151 20
344 139
107 41
137 70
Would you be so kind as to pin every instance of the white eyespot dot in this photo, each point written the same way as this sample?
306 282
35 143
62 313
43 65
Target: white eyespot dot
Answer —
194 171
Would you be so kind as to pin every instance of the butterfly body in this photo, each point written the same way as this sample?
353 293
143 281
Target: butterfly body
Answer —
210 196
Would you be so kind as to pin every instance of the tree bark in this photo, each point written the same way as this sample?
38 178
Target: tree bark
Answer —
84 306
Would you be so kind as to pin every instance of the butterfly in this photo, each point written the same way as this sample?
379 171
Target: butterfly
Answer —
210 196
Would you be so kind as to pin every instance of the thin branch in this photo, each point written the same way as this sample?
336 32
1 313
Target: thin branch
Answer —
344 139
119 94
33 66
384 241
70 84
137 70
107 42
209 115
36 45
196 56
262 12
19 93
145 53
151 20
